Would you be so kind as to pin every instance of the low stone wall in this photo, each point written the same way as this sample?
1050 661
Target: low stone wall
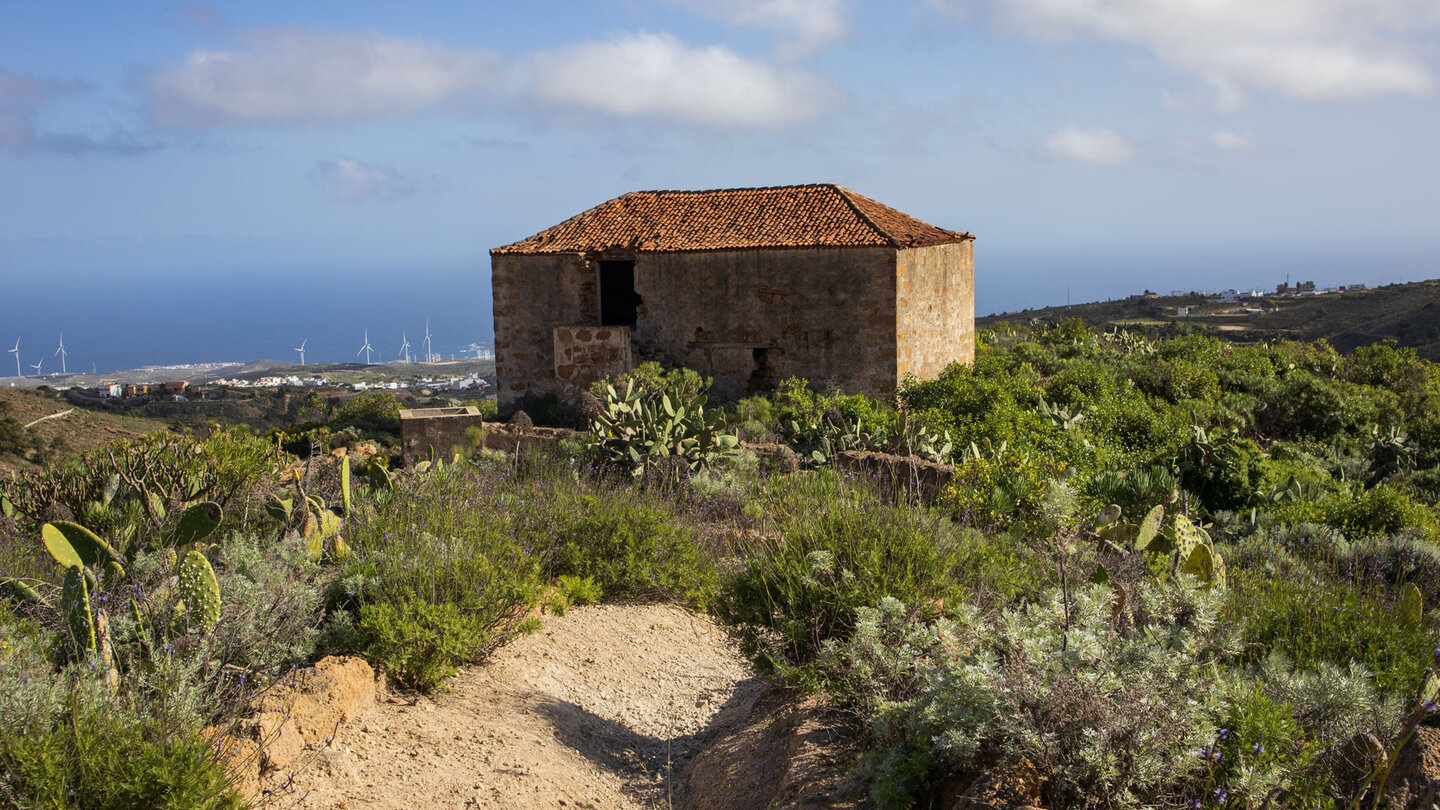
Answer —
436 432
427 432
906 475
511 439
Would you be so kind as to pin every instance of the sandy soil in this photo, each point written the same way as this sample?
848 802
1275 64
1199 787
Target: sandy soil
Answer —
600 710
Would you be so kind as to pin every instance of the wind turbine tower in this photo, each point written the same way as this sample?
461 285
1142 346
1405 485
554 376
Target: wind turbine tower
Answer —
429 355
61 351
366 348
37 367
301 349
16 351
404 347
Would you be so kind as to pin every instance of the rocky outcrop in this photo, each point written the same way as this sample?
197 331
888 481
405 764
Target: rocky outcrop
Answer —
1415 779
295 721
1008 787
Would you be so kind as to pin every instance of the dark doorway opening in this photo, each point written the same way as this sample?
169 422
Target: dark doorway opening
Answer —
618 300
762 376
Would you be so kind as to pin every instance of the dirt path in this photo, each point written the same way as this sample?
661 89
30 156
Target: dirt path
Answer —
600 710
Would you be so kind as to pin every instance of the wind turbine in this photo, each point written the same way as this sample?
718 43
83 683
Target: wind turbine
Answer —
16 351
61 351
366 348
429 356
301 349
37 366
404 346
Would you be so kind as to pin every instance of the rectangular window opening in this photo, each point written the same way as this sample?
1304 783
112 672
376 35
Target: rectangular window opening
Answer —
618 300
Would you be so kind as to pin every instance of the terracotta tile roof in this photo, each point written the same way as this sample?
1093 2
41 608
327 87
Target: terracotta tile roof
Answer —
821 215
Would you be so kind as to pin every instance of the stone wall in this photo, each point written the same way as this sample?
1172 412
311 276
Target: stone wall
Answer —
584 354
935 308
751 318
903 475
441 430
532 296
435 431
860 318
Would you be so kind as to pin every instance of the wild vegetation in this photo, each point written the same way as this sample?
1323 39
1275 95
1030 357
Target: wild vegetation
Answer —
1166 572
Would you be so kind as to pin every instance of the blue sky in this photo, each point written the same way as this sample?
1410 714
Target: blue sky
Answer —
1102 146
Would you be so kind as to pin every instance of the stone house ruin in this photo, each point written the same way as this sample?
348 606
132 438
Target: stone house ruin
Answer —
748 286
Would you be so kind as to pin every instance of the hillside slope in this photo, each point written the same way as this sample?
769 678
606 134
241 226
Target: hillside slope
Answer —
1406 313
76 429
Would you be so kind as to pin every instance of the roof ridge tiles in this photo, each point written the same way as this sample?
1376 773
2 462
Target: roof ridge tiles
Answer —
794 216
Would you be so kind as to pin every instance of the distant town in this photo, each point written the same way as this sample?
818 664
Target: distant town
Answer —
184 391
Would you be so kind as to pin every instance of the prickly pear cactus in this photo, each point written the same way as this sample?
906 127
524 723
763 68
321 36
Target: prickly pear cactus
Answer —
196 523
199 590
1187 537
280 509
379 477
21 590
75 599
345 486
170 557
1149 528
72 544
1411 607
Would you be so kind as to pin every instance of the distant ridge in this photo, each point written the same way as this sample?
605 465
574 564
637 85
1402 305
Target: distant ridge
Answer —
1409 314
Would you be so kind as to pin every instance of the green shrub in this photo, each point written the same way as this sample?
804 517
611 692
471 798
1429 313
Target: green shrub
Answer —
1000 491
754 409
66 743
1103 709
419 644
630 544
96 757
1379 510
580 590
1264 752
1313 619
834 556
452 557
569 591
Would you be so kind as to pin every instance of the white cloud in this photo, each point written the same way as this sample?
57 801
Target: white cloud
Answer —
1101 147
808 24
658 76
297 76
1235 141
1309 49
353 181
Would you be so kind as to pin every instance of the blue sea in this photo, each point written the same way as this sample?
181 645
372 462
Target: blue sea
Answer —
121 320
127 320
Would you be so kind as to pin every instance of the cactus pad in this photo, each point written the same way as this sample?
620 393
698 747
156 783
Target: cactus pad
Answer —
345 485
75 599
1411 606
1149 528
72 544
196 523
200 591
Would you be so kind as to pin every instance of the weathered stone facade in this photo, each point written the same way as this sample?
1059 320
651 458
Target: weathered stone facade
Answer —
859 316
584 354
934 308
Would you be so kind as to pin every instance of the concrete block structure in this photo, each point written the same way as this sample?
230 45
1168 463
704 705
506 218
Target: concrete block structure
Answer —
748 286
